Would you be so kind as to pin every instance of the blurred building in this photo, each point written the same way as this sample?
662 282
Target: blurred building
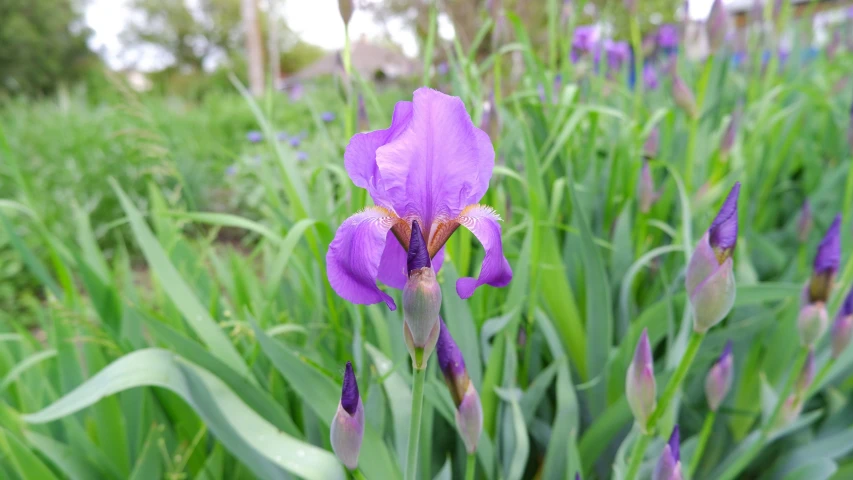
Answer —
371 60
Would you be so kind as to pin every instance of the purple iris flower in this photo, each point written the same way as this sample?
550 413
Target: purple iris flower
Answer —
328 116
668 37
254 136
431 165
650 77
618 53
585 41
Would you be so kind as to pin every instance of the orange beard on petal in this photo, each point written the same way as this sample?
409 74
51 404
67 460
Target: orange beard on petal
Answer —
439 233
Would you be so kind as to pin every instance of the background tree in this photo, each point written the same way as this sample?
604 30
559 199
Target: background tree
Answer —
42 43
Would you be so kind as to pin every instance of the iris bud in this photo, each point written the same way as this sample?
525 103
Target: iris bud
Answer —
843 326
345 7
683 96
469 410
717 25
421 301
719 379
826 262
710 278
812 323
669 464
640 387
646 187
806 374
347 428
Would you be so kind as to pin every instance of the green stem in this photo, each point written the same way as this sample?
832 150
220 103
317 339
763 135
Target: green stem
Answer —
819 378
415 425
470 466
637 455
735 468
637 45
707 427
663 405
430 42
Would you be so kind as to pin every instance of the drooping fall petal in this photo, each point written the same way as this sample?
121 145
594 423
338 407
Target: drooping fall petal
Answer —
483 222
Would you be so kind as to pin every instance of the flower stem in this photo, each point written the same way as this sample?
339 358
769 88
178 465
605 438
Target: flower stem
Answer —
735 468
470 466
637 455
707 427
663 405
415 425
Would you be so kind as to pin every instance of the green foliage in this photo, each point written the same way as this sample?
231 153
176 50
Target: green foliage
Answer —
42 44
150 263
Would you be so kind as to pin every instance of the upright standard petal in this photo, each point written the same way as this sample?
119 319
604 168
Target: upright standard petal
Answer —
360 154
483 222
438 165
352 262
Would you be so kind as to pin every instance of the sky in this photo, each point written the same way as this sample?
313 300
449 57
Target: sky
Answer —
315 21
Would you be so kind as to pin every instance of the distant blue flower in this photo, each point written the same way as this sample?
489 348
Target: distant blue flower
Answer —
254 136
231 171
328 116
301 156
282 136
295 141
442 68
296 92
650 77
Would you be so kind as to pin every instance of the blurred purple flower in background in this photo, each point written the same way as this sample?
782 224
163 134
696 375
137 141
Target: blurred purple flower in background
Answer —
301 156
442 68
617 53
328 116
584 41
295 92
231 170
667 38
254 136
282 136
717 25
647 194
683 96
650 77
432 165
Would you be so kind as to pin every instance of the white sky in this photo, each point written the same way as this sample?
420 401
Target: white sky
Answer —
315 21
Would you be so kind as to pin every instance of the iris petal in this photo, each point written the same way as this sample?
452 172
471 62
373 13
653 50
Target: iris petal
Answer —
484 223
353 259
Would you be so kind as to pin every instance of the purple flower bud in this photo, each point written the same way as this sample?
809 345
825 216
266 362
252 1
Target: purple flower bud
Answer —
717 25
826 262
731 132
347 429
540 89
710 278
648 195
327 117
650 147
719 379
345 7
842 328
650 77
452 364
421 301
722 235
683 96
640 388
669 464
363 123
469 418
254 136
805 222
812 323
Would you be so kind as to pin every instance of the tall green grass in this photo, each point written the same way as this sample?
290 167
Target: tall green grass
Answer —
179 323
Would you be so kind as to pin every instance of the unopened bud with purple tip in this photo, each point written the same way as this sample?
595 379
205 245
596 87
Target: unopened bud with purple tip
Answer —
717 25
804 381
421 301
347 428
719 379
646 189
813 319
640 387
469 410
805 222
345 8
650 148
669 464
683 96
710 278
842 327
